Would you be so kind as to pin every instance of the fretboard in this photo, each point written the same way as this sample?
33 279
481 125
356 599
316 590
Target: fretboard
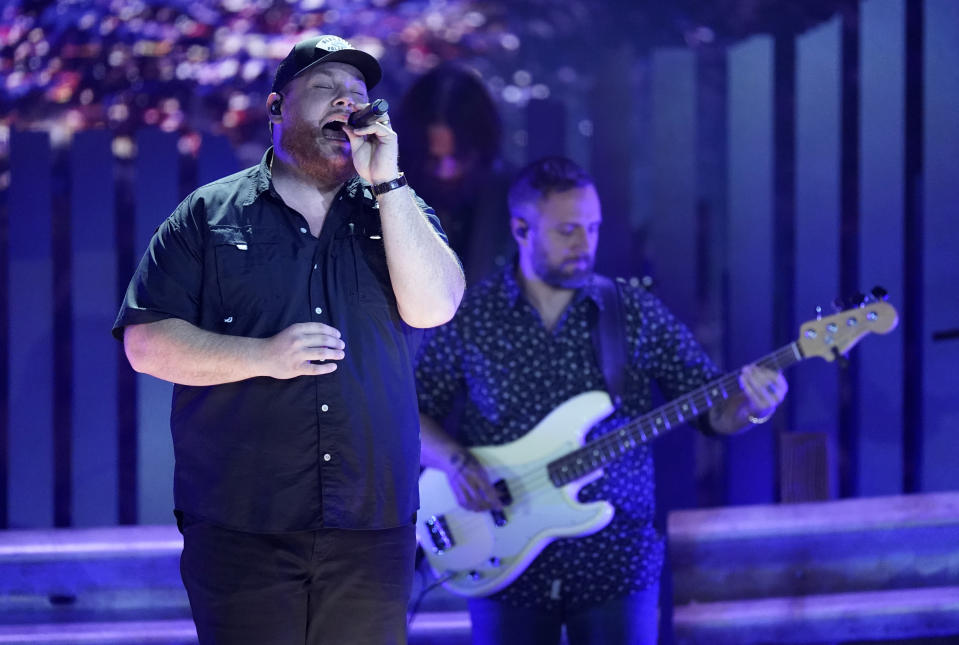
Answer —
596 454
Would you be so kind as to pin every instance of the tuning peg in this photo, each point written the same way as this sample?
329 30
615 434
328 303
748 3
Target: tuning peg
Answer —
857 300
818 312
838 305
879 293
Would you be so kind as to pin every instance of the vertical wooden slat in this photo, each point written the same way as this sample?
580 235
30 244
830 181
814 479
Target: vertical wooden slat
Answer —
849 240
911 324
4 344
126 448
940 251
711 204
881 167
611 166
94 274
640 186
749 251
63 393
216 159
815 384
671 237
156 195
30 362
711 238
641 159
578 137
546 128
672 225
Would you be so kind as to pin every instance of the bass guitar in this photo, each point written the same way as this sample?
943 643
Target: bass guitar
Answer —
540 475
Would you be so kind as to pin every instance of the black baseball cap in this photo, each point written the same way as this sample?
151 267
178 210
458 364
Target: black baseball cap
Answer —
325 49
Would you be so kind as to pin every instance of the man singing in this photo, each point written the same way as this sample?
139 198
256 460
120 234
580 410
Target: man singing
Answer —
282 301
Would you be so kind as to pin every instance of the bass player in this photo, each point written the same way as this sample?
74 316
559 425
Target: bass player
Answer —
522 343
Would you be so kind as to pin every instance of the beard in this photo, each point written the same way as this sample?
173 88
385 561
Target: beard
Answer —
311 153
571 273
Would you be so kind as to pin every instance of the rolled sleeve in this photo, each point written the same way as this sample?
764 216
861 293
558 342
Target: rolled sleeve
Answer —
168 281
430 215
434 221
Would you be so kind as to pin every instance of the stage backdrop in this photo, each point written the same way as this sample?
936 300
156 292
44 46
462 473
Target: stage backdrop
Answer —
751 184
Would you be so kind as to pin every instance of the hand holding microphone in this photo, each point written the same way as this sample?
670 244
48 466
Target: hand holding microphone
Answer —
374 154
369 114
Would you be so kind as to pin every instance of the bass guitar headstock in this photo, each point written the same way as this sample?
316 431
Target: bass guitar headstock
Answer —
831 337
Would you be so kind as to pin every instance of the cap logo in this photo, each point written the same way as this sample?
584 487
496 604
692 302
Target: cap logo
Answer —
332 44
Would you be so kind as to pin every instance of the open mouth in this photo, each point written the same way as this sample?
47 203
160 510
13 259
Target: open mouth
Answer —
334 130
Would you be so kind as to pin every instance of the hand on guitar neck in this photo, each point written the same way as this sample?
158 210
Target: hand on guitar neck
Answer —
763 390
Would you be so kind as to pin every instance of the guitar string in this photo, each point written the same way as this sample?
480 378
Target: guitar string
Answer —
628 436
538 479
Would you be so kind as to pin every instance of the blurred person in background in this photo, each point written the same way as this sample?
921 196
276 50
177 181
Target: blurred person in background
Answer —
451 151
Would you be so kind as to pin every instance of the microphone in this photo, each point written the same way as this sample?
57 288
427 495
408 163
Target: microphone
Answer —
369 114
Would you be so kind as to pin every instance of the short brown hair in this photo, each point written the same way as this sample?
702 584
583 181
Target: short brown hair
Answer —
541 178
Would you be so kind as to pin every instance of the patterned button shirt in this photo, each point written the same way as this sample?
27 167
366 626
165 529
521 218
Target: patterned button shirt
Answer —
501 371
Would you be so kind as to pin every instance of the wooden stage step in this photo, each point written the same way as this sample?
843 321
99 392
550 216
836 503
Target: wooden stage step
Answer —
432 628
865 569
121 585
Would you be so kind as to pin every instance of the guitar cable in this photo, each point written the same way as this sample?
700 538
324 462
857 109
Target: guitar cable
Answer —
411 614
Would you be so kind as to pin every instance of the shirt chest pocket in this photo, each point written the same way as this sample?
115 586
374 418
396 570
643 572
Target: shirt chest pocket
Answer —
246 269
364 256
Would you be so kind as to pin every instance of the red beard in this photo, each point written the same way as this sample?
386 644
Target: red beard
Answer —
328 162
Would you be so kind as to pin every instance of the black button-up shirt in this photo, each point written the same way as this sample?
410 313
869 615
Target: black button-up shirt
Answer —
504 371
267 455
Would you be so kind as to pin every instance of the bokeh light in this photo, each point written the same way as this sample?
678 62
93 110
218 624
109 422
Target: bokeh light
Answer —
182 64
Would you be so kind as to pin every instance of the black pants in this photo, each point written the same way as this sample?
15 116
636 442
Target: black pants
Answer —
314 587
628 620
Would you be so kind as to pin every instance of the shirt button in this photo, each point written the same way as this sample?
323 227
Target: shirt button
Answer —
318 310
324 407
302 230
314 267
327 457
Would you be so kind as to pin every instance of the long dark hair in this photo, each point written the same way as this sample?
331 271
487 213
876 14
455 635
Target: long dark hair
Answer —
455 96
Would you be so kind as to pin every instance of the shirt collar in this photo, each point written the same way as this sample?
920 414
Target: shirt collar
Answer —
512 292
263 182
262 178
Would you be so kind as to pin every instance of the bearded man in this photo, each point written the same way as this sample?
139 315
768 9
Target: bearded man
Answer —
523 343
284 303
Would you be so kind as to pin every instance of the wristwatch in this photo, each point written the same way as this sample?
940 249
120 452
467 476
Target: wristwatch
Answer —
387 186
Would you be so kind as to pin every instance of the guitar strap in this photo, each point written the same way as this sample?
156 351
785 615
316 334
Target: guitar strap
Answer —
609 337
